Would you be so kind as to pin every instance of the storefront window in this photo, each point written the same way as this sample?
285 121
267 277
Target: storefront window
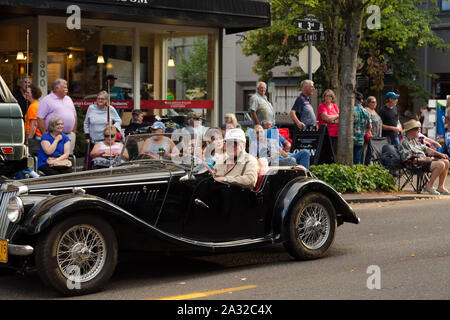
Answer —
189 75
13 54
92 59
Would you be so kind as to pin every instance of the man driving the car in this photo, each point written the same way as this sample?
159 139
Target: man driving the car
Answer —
236 166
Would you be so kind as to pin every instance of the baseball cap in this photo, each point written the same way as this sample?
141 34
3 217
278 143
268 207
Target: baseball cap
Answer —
111 77
235 135
393 95
158 125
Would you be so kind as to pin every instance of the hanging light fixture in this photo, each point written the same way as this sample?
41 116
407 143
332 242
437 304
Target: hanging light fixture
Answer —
171 62
20 56
100 59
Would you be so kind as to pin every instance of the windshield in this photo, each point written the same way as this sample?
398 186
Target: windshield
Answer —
175 148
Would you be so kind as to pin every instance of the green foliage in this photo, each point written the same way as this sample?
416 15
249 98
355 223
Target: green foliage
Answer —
192 69
405 27
358 178
80 142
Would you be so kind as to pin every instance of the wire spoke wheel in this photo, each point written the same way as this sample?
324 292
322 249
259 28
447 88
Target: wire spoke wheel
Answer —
77 255
81 253
313 226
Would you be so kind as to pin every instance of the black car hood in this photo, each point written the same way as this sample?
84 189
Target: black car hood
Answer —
130 173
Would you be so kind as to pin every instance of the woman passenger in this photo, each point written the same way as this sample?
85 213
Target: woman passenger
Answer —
109 148
158 146
55 145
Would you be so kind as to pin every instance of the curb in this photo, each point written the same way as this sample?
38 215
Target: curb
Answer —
349 199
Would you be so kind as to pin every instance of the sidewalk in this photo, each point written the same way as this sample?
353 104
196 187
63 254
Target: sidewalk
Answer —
406 194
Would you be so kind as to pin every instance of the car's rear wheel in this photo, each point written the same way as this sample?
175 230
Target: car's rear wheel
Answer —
77 255
311 227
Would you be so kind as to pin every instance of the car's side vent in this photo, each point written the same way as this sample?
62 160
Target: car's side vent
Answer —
123 198
151 195
130 197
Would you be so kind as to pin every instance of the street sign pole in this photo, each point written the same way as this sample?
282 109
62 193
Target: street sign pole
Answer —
310 59
315 32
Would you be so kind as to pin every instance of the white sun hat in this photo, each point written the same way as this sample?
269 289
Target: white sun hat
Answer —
235 135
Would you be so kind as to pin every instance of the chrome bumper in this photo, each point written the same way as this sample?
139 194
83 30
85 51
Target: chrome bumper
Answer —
20 250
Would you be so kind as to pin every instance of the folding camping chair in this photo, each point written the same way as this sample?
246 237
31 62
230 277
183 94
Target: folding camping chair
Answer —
404 172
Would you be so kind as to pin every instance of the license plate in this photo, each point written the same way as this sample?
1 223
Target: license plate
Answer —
3 251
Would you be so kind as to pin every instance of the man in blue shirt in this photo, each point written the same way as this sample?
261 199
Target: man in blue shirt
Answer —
302 112
115 93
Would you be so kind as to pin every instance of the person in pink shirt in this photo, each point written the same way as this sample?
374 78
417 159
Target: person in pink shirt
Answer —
328 114
58 103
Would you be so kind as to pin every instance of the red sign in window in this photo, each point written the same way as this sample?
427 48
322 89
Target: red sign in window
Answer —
151 104
177 104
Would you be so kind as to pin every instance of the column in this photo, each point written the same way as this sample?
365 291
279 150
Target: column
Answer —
40 54
136 68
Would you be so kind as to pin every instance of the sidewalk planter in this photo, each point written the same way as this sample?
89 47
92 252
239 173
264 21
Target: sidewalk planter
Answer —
358 178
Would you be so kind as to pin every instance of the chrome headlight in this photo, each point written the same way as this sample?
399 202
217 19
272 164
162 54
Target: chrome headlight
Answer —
15 209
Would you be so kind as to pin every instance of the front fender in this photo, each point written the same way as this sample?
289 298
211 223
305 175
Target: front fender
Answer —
295 189
45 213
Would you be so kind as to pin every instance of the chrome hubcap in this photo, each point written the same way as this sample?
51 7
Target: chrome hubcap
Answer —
81 253
313 226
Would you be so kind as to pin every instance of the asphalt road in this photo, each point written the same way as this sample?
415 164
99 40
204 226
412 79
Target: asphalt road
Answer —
402 246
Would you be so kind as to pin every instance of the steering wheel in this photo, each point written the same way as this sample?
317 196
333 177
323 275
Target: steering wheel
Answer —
204 164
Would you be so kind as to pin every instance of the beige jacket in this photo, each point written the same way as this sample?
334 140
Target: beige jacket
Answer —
243 173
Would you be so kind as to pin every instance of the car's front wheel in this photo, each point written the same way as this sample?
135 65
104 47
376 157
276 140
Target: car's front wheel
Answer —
77 255
311 227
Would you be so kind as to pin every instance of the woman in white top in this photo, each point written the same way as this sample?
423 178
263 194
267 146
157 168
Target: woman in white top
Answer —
96 118
103 151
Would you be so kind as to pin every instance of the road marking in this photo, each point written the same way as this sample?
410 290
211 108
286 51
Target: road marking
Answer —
203 294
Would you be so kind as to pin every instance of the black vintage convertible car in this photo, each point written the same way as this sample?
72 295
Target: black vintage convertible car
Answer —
72 227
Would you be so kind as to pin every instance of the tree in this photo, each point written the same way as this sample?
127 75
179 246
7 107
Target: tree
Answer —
192 69
404 28
342 21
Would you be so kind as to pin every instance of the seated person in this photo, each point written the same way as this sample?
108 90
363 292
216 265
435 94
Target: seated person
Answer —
55 145
236 166
136 122
159 146
104 151
194 123
265 149
214 147
230 119
302 157
430 160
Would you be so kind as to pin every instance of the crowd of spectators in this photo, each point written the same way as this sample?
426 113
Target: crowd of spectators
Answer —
51 125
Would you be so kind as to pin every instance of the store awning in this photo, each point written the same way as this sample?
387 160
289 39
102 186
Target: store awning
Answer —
233 15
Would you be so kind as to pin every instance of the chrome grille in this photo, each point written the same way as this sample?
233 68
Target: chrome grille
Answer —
4 222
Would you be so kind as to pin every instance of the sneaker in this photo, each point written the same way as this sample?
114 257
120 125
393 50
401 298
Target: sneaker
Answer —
432 191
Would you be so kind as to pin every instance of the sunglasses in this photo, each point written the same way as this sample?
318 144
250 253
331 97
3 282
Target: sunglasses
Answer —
371 101
109 135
